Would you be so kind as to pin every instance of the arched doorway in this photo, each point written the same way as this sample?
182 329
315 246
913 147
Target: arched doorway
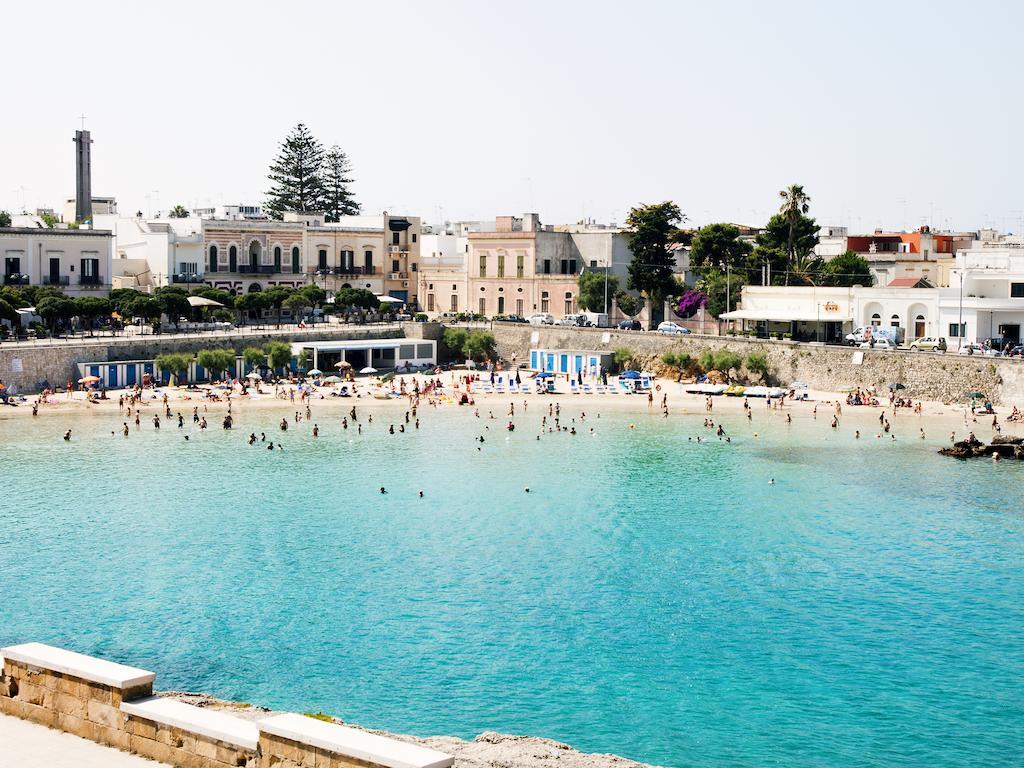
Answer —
917 320
873 313
254 255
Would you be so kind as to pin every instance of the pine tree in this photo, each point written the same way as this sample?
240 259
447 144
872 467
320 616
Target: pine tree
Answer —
297 175
339 201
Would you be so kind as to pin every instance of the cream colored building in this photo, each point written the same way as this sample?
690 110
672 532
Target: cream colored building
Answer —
76 260
517 267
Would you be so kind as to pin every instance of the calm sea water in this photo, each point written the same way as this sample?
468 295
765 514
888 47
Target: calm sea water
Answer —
649 597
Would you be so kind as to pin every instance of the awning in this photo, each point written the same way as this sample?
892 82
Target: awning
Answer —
784 317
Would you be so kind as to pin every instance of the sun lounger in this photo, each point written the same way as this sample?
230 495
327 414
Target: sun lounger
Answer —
587 389
600 389
574 388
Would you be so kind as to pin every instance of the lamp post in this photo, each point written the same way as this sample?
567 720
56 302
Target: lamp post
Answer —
960 318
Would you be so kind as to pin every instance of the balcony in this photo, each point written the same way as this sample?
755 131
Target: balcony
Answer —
94 280
56 280
259 269
352 271
398 275
16 279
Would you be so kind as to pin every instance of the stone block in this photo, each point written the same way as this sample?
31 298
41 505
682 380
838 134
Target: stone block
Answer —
204 747
37 714
74 724
140 727
154 750
232 755
35 694
105 715
101 693
114 737
135 692
69 704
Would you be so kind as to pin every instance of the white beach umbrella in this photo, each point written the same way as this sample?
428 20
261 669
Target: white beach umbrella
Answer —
202 301
253 375
389 300
368 369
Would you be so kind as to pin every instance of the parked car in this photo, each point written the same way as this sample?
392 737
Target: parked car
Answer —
929 343
541 318
1016 351
671 328
971 348
880 343
580 321
510 318
629 325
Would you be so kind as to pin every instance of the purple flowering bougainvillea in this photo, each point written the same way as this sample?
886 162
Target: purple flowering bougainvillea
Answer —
690 302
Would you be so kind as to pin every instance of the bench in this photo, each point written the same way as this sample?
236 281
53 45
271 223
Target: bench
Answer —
218 726
350 742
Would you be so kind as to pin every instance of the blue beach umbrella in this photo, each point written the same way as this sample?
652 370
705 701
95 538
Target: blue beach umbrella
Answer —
629 375
544 375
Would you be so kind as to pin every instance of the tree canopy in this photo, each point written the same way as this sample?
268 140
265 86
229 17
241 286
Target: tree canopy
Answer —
849 269
338 199
651 229
178 212
296 175
5 219
718 246
594 287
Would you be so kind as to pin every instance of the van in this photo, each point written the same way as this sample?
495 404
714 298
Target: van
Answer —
597 319
576 320
867 332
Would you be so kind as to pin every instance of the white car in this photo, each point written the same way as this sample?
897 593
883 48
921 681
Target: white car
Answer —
541 318
880 343
974 348
669 327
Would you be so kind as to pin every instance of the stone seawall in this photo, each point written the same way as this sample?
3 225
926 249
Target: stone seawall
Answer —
23 365
926 375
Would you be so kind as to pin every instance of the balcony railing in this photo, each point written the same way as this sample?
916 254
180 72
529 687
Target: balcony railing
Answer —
58 280
16 279
352 271
90 280
186 278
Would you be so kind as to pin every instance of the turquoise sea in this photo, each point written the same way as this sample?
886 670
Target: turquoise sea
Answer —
650 597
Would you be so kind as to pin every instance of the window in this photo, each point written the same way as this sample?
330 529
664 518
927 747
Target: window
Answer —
568 303
189 267
414 237
1017 290
348 259
296 266
519 264
430 302
455 303
501 265
213 258
876 319
321 259
233 258
957 331
368 262
593 263
894 321
519 307
544 304
483 265
413 266
572 267
483 305
501 305
277 258
396 238
547 266
564 267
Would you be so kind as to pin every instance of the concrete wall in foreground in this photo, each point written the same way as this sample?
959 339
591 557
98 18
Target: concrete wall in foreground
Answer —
24 365
932 376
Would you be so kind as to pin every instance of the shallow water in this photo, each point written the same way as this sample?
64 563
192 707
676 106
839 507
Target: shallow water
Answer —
650 597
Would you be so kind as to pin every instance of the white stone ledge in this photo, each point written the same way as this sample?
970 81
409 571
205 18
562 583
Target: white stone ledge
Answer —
205 722
78 665
352 742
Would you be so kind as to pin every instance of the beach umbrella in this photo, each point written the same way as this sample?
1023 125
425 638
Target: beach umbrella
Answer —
388 376
253 375
314 372
202 301
342 364
544 375
633 375
389 300
895 386
88 379
368 369
333 380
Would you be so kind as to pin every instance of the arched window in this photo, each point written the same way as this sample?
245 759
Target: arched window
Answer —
233 258
296 267
894 321
876 319
213 258
277 258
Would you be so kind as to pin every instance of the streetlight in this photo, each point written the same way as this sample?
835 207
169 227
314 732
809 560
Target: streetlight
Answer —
960 317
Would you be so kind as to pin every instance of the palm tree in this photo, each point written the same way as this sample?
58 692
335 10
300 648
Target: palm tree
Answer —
806 268
795 203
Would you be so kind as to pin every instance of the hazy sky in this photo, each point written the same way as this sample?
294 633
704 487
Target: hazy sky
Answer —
889 113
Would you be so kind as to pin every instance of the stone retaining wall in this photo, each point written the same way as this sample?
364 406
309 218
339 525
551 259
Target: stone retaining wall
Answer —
42 684
57 362
931 376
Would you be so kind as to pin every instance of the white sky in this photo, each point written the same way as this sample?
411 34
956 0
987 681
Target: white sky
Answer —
889 113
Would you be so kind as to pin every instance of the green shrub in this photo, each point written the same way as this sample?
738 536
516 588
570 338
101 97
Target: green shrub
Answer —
757 363
622 357
706 361
669 359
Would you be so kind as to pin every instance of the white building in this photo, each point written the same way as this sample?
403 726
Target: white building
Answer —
812 313
985 297
156 252
76 260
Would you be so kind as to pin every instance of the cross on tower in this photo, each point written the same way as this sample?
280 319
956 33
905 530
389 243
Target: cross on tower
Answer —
82 118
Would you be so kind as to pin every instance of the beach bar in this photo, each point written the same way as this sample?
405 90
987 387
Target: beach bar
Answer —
382 354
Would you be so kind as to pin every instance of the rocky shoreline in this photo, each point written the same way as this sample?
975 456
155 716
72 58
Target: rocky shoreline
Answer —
488 750
1001 447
